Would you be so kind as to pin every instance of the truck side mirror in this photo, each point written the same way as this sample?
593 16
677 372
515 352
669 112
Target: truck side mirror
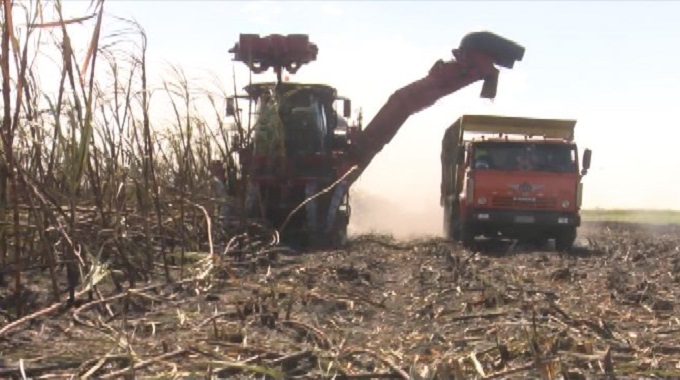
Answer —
586 161
347 108
460 158
231 107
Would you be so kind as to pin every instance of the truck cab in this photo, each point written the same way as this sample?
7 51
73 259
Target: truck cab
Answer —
517 178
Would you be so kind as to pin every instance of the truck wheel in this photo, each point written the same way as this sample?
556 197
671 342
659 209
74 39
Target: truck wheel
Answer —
446 221
452 223
455 231
452 229
466 235
564 241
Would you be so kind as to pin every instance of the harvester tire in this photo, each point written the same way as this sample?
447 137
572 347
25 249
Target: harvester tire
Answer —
564 241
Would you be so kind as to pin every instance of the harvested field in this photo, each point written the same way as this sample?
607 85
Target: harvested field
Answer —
379 309
111 264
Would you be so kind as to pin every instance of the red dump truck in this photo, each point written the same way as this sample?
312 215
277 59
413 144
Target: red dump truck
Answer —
512 177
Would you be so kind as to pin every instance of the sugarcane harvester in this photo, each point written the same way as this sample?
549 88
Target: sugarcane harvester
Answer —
303 157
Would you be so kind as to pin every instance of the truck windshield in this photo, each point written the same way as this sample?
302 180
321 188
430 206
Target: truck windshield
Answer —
544 157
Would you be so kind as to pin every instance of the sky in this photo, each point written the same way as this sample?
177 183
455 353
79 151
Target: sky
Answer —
610 65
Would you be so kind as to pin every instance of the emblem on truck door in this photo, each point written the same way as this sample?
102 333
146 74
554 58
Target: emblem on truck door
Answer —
525 187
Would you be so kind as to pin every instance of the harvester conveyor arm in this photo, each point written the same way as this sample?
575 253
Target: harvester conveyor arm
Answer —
475 59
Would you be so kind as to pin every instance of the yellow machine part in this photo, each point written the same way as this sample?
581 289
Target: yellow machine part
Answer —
549 128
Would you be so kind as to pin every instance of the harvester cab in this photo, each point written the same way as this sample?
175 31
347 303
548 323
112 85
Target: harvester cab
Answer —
512 177
304 114
303 153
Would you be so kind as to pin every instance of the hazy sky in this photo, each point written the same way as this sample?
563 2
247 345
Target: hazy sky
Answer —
611 65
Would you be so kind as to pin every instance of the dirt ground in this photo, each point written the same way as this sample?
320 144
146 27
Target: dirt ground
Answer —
420 309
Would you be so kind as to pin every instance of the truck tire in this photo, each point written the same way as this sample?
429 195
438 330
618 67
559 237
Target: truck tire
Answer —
564 241
446 223
466 234
452 222
455 231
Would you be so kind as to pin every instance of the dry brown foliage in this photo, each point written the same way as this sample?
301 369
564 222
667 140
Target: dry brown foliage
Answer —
100 201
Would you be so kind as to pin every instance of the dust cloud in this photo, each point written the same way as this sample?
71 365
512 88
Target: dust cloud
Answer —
372 213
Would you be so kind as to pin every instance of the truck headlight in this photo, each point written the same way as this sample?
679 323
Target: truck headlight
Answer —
565 204
481 200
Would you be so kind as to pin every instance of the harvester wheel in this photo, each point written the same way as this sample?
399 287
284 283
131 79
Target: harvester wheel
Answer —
452 223
451 227
564 241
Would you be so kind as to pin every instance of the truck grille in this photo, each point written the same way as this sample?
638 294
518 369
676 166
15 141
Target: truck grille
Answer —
524 202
